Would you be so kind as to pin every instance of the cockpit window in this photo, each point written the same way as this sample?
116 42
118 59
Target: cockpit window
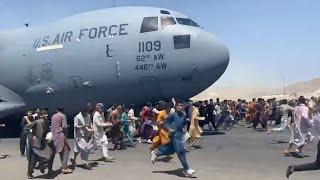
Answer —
149 24
187 22
167 21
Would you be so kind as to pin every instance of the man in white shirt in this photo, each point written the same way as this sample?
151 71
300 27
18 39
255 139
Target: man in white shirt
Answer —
100 137
82 136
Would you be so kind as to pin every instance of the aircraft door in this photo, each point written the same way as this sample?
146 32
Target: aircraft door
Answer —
112 57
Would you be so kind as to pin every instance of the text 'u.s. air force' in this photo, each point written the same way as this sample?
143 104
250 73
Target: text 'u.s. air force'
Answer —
86 33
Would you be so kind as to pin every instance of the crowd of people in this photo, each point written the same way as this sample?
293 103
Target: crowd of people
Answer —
166 126
2 156
163 125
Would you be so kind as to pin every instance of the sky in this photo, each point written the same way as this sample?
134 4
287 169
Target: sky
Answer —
268 40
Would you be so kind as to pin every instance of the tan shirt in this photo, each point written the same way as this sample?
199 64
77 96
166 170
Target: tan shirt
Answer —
99 123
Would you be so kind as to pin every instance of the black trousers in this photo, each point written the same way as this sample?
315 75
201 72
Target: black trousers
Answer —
116 135
211 119
23 142
202 123
260 119
221 119
277 117
33 159
310 166
188 125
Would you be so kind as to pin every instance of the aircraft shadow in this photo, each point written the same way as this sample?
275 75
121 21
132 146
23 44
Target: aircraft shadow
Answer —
177 172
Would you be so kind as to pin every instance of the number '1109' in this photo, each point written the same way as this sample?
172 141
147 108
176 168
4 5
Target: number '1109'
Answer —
149 46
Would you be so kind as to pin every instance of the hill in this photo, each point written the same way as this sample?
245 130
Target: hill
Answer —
303 87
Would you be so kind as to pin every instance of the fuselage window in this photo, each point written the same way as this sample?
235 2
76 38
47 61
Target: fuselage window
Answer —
167 21
187 22
149 24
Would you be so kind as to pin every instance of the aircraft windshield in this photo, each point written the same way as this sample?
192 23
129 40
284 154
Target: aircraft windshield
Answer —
167 21
187 22
149 24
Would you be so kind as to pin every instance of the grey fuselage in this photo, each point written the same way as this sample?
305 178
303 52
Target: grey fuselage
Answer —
102 56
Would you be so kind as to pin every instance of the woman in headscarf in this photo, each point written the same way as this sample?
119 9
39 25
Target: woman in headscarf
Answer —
195 131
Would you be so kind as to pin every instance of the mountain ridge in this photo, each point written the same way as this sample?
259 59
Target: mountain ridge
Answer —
247 92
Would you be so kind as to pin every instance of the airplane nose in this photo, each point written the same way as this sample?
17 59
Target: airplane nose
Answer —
223 55
214 54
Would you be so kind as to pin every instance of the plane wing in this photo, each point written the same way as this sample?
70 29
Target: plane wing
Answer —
10 102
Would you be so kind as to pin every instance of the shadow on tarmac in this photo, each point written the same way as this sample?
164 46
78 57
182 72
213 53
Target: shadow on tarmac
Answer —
260 130
56 173
195 147
298 155
213 133
103 160
279 142
166 159
4 156
92 165
51 176
177 172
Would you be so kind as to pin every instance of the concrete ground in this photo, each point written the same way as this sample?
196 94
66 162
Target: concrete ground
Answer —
241 154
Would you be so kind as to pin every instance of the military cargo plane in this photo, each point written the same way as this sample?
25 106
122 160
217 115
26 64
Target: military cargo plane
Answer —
118 55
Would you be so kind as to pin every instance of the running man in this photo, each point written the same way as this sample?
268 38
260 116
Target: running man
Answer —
176 124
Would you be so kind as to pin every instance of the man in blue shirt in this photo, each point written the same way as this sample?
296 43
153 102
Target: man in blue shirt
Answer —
176 124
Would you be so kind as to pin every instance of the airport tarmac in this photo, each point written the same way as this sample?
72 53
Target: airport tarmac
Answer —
241 154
